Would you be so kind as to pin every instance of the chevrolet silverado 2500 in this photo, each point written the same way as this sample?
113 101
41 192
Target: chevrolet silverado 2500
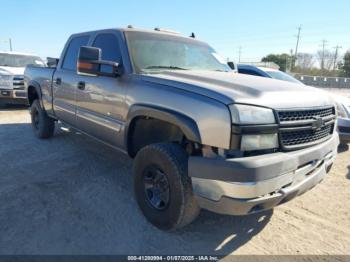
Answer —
201 136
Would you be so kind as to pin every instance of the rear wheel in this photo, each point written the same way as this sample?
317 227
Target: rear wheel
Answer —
43 125
162 187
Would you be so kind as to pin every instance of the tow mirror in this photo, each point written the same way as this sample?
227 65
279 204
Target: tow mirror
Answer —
90 63
52 62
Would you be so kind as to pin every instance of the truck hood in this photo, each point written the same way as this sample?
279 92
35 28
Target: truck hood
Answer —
229 88
8 70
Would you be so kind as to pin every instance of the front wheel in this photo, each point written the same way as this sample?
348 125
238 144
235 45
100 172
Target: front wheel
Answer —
43 125
162 187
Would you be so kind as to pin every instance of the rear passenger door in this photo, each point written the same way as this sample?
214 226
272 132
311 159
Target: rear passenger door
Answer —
66 79
101 103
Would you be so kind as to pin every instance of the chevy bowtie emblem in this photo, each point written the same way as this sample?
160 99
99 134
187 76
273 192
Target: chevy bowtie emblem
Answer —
318 123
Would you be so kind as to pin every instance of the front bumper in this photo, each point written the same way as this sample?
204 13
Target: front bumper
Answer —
13 96
248 185
344 130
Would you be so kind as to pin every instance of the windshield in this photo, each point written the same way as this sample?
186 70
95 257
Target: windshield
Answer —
154 51
283 76
20 60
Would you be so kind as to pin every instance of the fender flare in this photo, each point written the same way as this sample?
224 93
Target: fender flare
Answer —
37 87
186 124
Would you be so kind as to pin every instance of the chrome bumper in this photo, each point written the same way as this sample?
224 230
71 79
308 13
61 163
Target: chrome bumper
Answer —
13 96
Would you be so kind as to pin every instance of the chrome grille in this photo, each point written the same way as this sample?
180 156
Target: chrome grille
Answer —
305 127
285 116
306 136
18 83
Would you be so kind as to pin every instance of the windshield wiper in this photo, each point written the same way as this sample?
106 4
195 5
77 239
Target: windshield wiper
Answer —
166 67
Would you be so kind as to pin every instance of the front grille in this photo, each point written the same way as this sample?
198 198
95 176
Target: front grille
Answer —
285 116
305 127
18 83
306 136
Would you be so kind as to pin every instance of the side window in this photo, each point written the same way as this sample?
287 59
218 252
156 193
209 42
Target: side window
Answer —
71 56
109 46
248 72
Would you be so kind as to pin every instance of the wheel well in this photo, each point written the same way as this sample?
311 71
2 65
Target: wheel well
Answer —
144 131
32 94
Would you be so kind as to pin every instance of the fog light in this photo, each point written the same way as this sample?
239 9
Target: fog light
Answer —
259 142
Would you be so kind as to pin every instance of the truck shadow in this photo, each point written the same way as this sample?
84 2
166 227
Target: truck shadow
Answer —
12 107
348 175
343 148
222 235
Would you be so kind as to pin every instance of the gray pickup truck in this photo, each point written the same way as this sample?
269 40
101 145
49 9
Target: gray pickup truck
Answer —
201 136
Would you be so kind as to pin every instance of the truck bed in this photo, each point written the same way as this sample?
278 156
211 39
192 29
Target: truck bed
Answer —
41 77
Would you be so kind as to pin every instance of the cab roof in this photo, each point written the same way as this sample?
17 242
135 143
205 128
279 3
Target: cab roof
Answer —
156 30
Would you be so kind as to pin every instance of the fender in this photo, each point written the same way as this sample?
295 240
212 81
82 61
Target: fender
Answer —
186 124
37 87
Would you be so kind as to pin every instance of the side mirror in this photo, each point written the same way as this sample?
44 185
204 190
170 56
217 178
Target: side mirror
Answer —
52 62
231 65
90 63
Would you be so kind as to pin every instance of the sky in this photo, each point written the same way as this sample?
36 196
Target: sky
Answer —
259 27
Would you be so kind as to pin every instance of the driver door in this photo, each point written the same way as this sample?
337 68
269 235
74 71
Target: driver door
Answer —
101 100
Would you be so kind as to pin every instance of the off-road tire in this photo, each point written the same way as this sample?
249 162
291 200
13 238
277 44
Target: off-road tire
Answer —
43 125
172 160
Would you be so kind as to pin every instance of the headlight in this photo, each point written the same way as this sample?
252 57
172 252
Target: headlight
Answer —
5 81
247 115
259 142
341 112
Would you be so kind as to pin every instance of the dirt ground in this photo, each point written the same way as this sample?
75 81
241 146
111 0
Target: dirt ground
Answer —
72 195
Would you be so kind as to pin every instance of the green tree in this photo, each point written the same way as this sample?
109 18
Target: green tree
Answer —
282 60
345 65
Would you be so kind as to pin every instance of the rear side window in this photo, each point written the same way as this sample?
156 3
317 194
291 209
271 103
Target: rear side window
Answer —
248 72
108 43
71 56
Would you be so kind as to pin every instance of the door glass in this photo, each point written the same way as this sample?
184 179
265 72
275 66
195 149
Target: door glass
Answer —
71 56
109 46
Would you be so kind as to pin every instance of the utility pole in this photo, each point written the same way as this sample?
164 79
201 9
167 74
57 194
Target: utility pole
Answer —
336 56
239 54
324 42
10 43
290 62
296 48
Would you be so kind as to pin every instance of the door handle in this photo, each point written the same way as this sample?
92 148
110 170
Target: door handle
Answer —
81 85
58 81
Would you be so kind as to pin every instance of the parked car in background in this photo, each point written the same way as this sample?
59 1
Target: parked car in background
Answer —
343 103
266 72
343 109
201 136
12 65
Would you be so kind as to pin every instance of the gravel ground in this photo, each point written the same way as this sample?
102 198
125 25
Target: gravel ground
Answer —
72 195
